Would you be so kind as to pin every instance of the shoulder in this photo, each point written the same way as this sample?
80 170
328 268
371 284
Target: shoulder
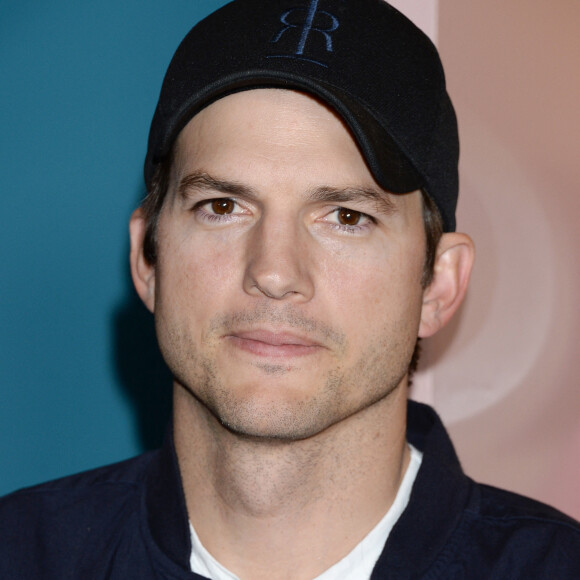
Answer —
500 504
509 535
475 530
61 517
116 479
510 511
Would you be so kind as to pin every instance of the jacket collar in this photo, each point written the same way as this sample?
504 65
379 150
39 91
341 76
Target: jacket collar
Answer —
439 497
165 504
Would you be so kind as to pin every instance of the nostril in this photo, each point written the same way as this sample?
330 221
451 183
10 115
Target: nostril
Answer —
264 291
273 294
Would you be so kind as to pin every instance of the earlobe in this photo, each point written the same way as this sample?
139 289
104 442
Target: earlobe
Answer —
452 270
142 272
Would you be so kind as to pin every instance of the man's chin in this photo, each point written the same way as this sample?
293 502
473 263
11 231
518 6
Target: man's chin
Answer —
273 422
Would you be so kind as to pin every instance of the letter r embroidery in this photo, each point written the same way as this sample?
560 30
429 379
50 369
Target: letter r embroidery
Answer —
308 26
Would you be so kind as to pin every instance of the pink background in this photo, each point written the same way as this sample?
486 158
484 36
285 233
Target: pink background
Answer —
504 374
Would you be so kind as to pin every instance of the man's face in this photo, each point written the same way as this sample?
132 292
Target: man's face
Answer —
287 290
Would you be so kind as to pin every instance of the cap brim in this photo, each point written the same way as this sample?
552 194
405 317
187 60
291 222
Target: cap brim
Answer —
389 166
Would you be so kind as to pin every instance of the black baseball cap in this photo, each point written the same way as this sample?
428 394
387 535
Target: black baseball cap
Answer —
366 60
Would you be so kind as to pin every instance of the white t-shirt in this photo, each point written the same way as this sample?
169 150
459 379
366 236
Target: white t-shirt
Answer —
356 565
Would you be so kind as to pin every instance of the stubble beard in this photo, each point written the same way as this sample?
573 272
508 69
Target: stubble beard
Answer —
379 370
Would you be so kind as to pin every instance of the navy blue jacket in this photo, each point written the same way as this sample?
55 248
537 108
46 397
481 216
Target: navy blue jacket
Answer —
129 520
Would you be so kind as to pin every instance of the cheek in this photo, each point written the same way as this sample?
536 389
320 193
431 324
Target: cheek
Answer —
386 269
371 291
194 274
192 284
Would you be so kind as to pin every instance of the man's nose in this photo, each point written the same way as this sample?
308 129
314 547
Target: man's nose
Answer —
278 261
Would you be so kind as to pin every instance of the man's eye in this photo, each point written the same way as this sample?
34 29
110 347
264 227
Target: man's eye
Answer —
348 217
222 206
348 220
219 210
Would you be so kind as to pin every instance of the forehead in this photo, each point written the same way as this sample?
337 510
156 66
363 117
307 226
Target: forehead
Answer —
247 110
287 128
279 144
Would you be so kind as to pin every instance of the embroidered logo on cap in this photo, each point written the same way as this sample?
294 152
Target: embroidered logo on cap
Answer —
306 32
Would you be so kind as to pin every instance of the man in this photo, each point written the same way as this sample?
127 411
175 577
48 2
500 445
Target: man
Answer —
296 241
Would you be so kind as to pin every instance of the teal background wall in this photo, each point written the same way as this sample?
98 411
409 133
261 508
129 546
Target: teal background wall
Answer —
81 382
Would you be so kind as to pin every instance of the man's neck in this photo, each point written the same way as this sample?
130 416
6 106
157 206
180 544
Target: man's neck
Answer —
275 509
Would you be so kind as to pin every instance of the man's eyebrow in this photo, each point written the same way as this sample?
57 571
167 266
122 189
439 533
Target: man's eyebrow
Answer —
381 199
201 180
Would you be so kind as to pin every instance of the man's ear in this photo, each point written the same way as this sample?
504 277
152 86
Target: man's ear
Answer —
142 272
441 299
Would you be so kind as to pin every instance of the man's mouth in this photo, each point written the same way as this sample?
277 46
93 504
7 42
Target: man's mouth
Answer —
279 344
